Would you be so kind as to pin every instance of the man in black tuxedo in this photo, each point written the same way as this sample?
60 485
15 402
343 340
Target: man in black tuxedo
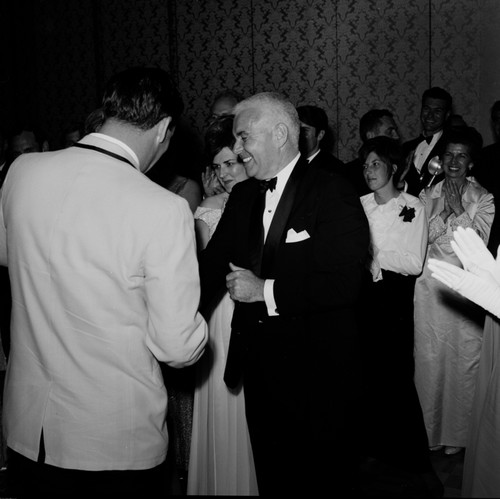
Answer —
316 137
435 111
291 257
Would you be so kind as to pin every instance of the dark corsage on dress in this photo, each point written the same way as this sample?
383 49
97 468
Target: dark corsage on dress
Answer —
408 214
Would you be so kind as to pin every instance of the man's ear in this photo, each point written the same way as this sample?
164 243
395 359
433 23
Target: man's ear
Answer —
45 146
281 133
321 134
370 135
165 129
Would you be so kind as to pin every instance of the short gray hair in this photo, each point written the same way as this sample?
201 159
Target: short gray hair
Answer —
277 107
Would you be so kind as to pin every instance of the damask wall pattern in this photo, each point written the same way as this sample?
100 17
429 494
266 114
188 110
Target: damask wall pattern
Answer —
133 34
455 53
383 63
345 56
214 40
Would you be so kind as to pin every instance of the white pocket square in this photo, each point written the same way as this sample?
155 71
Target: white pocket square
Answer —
296 237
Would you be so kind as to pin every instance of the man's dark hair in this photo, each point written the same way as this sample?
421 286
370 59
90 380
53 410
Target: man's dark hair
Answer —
388 150
219 135
228 93
467 136
27 126
313 116
93 121
142 97
371 120
438 93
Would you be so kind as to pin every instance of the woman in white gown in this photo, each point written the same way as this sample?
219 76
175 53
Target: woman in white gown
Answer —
221 460
479 282
449 328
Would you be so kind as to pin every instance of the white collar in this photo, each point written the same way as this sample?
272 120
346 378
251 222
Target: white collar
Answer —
120 144
310 158
284 174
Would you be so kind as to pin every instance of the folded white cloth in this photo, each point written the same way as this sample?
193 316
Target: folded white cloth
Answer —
296 237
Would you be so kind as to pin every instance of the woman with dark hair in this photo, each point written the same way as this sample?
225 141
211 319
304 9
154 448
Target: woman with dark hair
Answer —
398 229
221 460
448 328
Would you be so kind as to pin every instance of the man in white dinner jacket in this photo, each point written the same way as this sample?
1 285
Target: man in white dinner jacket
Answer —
105 286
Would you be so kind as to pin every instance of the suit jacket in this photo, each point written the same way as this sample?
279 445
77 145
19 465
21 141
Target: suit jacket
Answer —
327 161
313 341
417 181
104 278
354 172
487 173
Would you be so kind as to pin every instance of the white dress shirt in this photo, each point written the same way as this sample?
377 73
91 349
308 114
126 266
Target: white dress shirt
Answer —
398 244
272 200
423 150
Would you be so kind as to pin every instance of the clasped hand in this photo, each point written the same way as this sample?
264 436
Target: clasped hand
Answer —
243 285
479 280
452 199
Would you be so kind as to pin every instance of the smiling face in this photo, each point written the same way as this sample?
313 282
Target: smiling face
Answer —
228 168
457 161
433 115
255 142
377 173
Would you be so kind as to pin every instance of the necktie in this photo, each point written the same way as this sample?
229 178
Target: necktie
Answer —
268 184
427 139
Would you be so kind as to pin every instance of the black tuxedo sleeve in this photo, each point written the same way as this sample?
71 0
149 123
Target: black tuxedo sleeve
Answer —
225 246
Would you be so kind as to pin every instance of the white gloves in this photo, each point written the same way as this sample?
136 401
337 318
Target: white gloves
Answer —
479 280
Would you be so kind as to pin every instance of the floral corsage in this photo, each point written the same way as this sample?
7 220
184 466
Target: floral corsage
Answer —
408 214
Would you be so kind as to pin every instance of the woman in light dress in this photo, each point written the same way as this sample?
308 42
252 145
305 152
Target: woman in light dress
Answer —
221 460
398 230
479 281
449 328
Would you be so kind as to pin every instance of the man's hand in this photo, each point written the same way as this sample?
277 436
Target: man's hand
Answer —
243 285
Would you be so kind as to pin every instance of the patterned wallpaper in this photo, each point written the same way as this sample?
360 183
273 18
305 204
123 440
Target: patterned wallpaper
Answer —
345 56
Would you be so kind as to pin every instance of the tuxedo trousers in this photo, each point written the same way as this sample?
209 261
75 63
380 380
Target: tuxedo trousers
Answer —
301 421
27 478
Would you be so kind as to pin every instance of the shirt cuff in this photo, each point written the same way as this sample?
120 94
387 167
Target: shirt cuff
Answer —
272 309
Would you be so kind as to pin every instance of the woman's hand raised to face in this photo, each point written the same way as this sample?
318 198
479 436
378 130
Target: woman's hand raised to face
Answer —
211 183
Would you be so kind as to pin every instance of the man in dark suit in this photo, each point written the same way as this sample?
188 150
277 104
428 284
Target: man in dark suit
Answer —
435 111
315 138
292 258
487 173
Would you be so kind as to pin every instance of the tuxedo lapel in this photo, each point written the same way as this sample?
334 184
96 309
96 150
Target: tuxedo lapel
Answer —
281 216
256 233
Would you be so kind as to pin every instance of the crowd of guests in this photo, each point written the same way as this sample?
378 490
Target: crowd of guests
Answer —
320 324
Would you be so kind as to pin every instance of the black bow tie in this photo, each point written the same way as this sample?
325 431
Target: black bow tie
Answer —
268 184
427 139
